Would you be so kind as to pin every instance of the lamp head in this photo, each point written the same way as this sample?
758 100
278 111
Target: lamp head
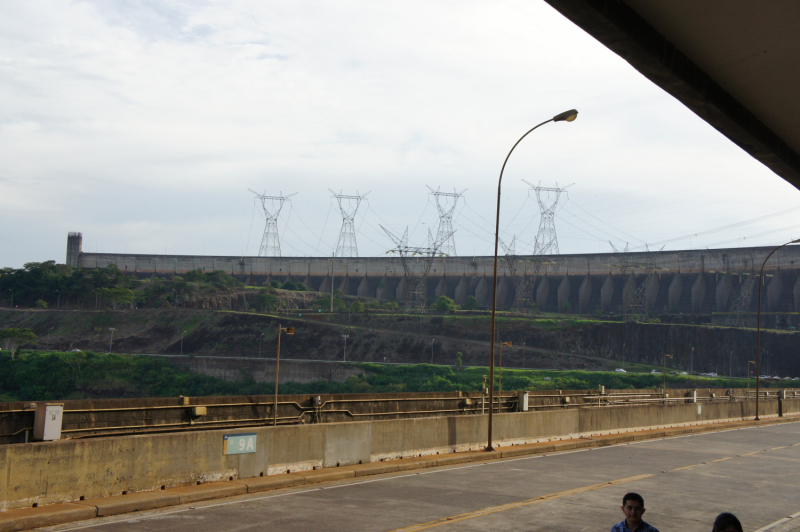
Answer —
289 330
566 116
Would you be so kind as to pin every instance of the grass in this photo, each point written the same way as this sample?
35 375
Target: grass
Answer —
39 375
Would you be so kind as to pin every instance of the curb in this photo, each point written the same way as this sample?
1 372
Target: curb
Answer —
55 514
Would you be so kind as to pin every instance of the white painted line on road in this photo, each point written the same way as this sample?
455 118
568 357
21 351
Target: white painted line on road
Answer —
779 522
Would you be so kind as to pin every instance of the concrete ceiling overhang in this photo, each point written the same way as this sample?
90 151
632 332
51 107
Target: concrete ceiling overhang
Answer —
735 63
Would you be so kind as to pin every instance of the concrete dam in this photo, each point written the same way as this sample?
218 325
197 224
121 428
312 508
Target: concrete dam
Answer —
690 282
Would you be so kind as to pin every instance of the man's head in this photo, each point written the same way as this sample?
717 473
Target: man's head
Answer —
727 522
633 508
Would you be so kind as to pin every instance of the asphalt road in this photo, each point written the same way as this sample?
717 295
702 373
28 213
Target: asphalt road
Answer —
685 481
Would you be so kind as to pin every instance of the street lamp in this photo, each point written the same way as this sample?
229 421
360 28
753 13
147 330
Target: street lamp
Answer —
259 344
174 299
345 336
48 333
500 378
184 332
664 372
287 330
691 362
758 321
12 297
111 342
623 355
567 116
58 301
95 299
748 371
432 340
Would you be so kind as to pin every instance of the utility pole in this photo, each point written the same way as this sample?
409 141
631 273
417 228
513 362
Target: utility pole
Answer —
500 378
111 342
345 336
287 330
332 283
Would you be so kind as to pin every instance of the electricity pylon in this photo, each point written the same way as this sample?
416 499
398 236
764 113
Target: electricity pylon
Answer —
348 205
547 197
446 210
272 205
416 283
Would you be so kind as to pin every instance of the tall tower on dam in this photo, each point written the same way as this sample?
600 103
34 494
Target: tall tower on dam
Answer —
74 249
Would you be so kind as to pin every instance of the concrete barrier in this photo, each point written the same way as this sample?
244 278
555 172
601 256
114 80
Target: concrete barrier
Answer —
64 471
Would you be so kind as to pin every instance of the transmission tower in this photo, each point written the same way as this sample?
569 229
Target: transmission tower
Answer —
409 255
547 197
272 205
348 205
446 209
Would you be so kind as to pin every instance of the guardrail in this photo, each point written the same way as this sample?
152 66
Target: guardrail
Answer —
86 419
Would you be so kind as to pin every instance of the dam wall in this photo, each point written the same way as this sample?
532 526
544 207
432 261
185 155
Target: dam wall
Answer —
694 281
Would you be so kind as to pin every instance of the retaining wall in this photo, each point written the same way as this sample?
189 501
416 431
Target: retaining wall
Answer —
67 470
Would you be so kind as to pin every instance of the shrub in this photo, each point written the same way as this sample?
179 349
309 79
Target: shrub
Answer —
40 303
471 303
444 303
357 306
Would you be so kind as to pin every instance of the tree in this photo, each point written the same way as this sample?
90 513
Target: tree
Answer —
116 295
357 306
444 303
13 338
459 361
566 307
471 303
40 303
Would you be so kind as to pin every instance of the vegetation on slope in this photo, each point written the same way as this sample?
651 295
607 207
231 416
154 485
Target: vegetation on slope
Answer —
36 375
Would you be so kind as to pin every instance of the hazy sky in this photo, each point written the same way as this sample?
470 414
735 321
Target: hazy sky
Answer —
142 124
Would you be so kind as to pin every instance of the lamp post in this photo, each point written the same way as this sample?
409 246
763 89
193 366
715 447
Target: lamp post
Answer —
623 355
259 344
500 378
111 342
184 332
748 371
12 297
48 333
58 301
287 330
345 336
174 299
432 340
567 116
691 362
95 299
664 372
758 321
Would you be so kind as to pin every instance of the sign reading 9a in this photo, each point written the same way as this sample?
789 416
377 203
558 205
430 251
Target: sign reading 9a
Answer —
239 443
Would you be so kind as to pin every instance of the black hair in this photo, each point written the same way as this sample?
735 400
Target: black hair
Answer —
633 497
726 519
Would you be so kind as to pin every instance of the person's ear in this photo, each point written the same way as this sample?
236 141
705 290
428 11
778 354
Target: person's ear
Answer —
643 510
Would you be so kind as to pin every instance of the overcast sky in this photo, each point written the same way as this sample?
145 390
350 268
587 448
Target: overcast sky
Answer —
143 124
